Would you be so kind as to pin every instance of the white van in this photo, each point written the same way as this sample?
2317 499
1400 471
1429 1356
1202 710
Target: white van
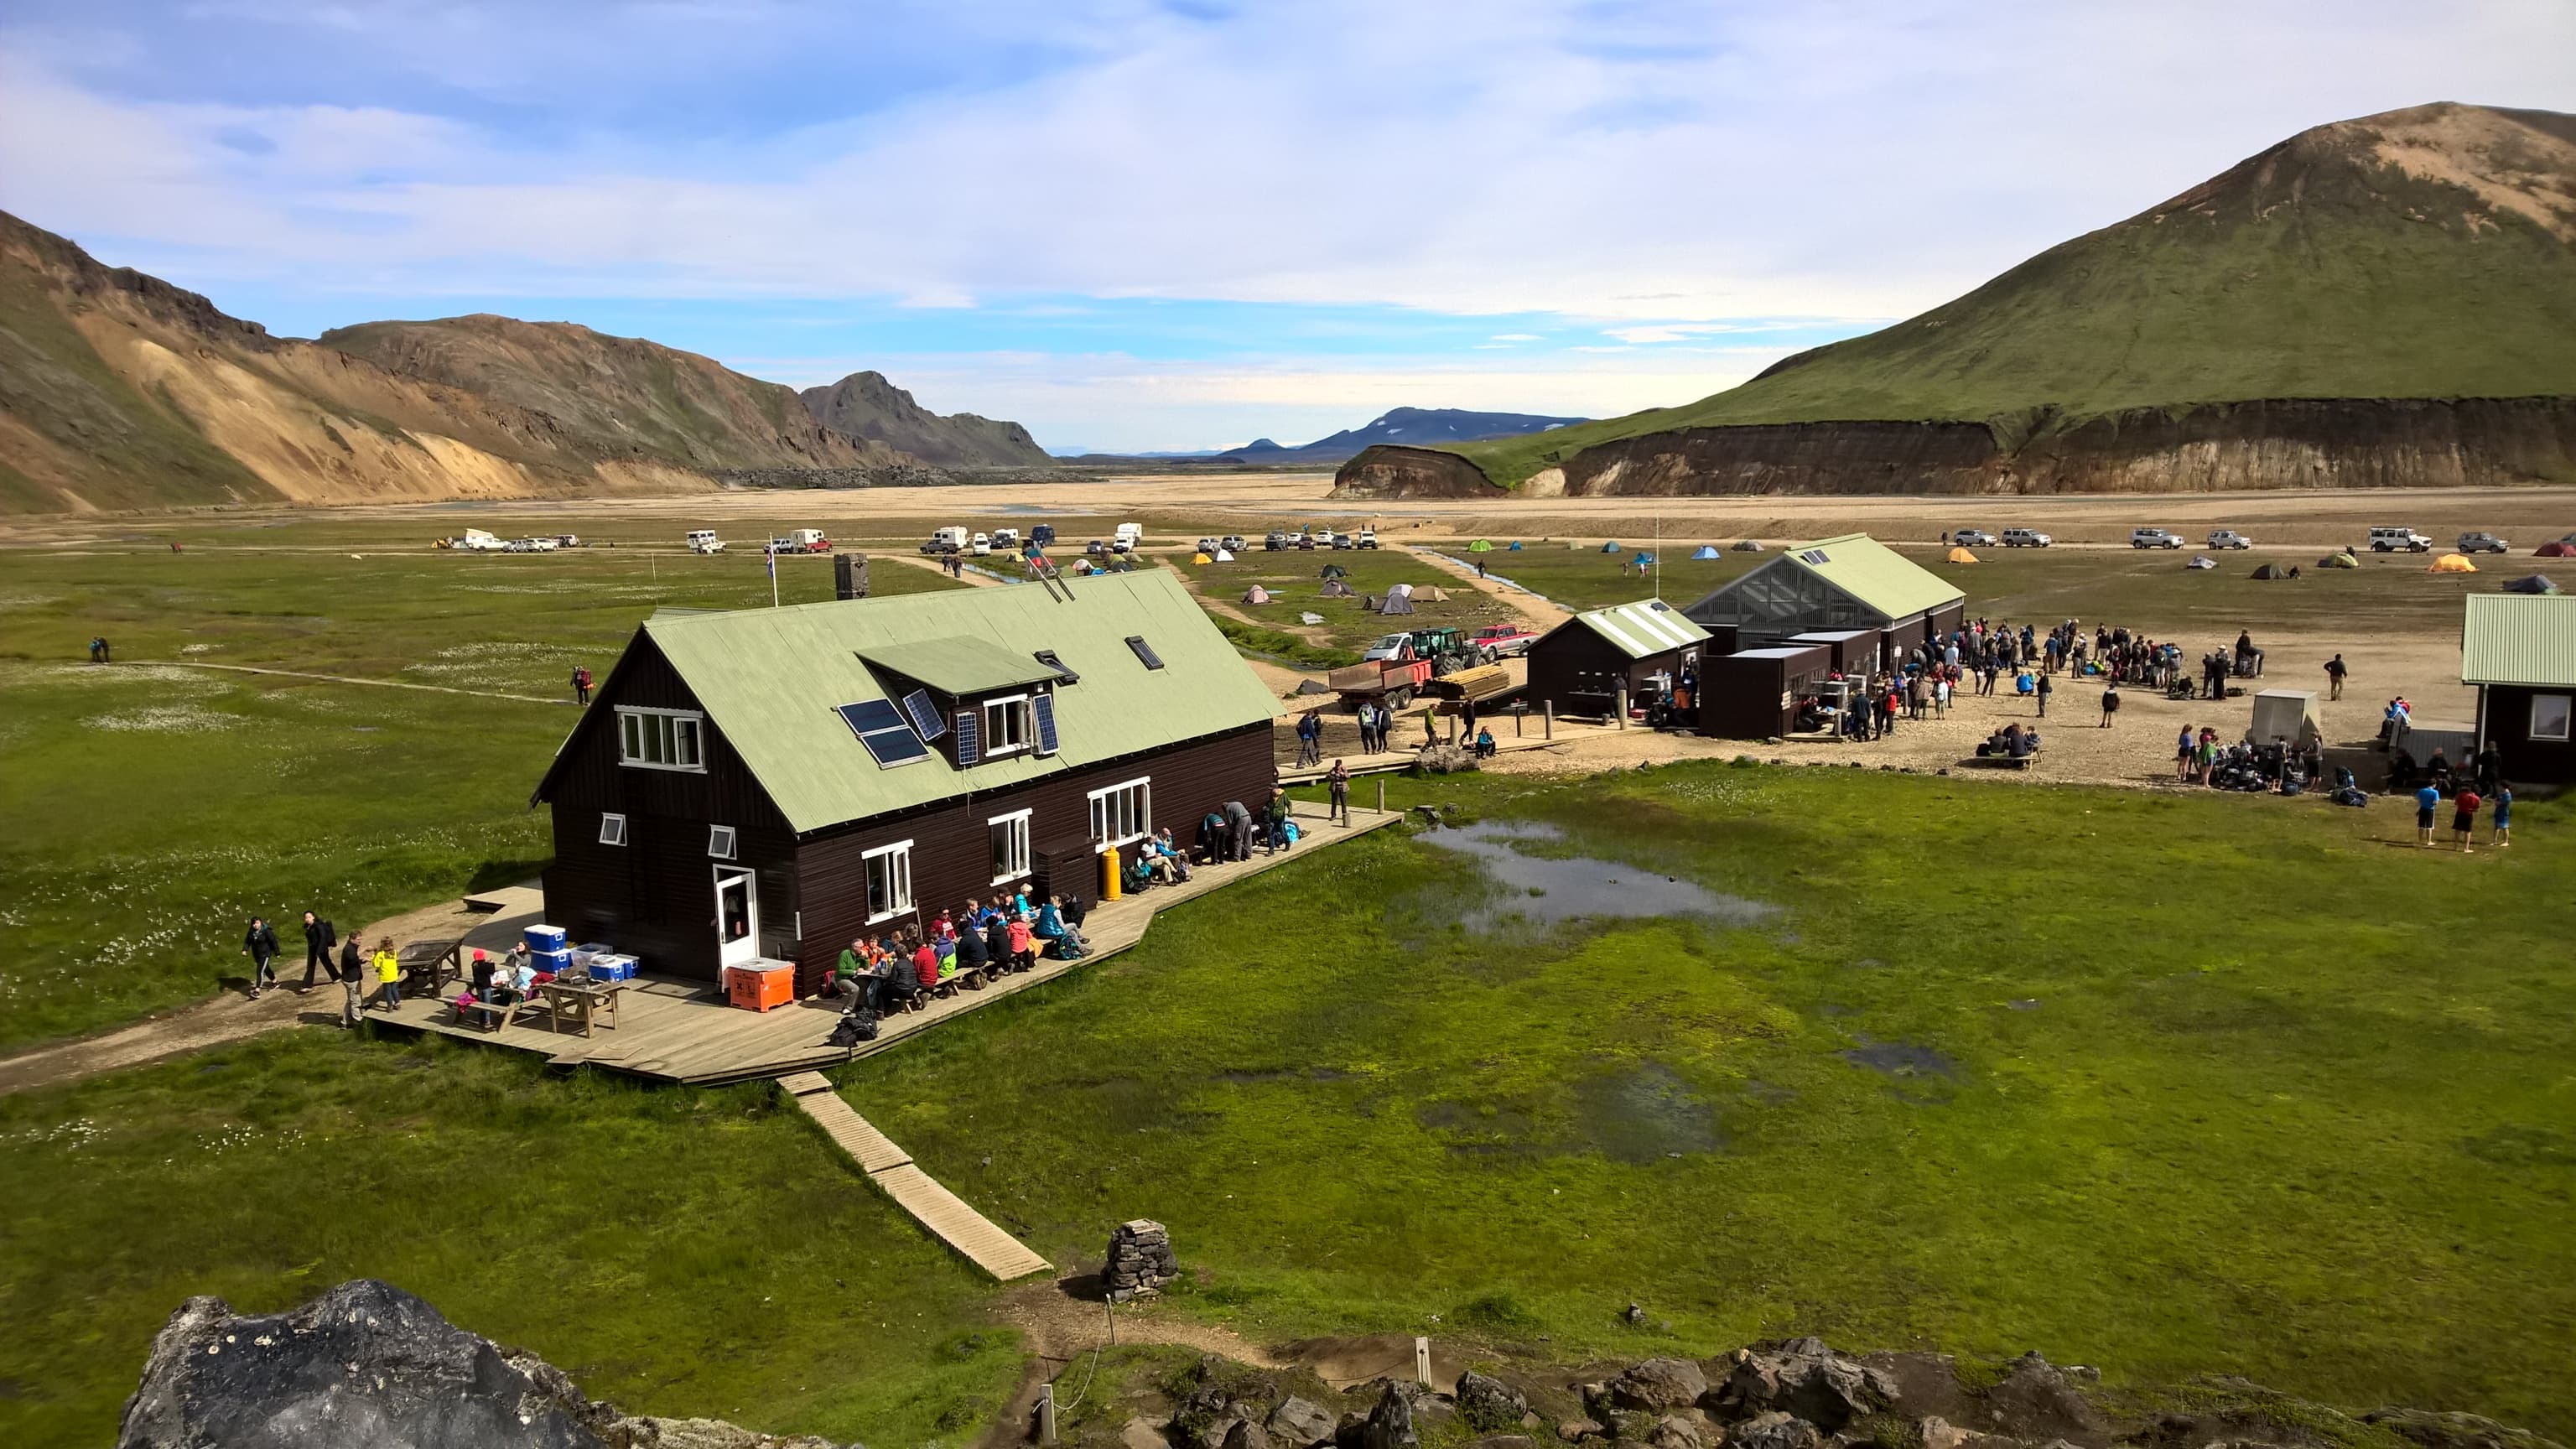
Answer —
2026 538
704 540
2154 538
2399 540
1128 538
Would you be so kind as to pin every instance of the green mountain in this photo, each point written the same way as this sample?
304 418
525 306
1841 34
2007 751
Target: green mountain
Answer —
2427 253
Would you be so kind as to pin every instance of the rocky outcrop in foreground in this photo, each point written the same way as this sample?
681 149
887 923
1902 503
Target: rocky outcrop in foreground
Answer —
368 1366
1798 1394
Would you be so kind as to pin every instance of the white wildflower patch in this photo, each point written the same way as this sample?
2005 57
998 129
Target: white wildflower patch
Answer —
199 648
169 719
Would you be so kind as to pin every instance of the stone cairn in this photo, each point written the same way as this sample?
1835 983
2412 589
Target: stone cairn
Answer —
1140 1260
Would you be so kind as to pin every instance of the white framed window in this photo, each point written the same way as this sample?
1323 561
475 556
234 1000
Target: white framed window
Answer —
1123 813
612 830
2549 715
720 842
1006 725
1010 846
661 739
889 880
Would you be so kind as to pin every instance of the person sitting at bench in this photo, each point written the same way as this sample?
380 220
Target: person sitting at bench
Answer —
972 959
482 977
1023 943
850 979
1167 858
925 964
1053 929
1484 743
1139 876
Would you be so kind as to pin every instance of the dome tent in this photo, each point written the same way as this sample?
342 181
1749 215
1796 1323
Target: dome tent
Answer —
1516 546
1333 571
2555 548
1705 550
1200 558
2532 584
2266 571
1642 559
1959 555
1224 556
2343 560
1429 593
1746 545
1481 545
2452 563
1336 587
1611 547
1256 595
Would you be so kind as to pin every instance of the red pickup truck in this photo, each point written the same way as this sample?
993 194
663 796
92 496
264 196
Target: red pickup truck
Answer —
1503 641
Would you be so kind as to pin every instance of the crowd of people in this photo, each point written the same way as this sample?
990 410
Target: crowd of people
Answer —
902 969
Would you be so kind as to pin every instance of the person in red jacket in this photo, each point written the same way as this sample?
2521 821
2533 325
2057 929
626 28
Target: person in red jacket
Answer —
925 965
2464 816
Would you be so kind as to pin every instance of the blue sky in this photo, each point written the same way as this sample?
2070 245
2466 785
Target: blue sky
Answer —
1137 225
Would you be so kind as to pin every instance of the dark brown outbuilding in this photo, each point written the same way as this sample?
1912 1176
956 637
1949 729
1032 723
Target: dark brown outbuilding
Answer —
1754 694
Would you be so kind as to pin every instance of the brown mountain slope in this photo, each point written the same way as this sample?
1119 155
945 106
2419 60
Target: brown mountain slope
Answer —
118 390
623 396
864 405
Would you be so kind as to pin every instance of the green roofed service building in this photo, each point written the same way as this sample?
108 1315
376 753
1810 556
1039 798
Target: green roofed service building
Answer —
1581 665
1833 586
2520 652
770 783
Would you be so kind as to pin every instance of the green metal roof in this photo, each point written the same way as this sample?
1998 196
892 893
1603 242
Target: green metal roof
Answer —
1649 626
1876 575
2519 639
960 663
772 680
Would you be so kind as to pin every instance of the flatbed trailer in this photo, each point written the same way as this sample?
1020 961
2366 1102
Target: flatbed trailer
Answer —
1393 681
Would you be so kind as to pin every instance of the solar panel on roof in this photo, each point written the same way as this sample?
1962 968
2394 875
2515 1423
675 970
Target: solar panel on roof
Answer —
881 728
1043 707
970 738
925 715
1815 556
1144 651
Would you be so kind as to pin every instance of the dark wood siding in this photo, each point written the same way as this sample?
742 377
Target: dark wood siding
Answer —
1581 671
1740 698
952 843
655 896
2505 711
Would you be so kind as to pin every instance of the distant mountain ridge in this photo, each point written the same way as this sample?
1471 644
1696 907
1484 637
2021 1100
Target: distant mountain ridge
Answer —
2387 301
121 391
865 406
1407 427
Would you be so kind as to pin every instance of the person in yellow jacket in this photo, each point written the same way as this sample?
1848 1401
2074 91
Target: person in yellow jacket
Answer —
389 972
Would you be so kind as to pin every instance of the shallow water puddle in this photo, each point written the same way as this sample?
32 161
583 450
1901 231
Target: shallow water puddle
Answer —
1544 890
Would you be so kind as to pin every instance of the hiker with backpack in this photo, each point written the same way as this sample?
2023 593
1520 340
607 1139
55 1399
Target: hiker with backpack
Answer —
319 938
581 685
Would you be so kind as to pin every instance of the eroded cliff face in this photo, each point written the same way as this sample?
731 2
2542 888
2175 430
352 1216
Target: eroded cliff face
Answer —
2279 443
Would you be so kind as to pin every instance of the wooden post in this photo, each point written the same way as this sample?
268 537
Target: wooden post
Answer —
1619 704
1381 794
1551 720
1046 1413
1453 731
1422 1362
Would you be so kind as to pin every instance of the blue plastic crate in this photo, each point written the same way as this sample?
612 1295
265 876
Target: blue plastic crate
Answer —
542 939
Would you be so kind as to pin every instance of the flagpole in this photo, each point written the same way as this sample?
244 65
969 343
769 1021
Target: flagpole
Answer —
772 551
1659 555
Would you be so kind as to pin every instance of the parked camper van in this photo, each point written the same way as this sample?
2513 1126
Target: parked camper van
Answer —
946 540
2026 538
479 540
808 540
2399 540
1128 538
704 540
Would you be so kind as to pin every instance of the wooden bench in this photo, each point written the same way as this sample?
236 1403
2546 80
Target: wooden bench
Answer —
485 1015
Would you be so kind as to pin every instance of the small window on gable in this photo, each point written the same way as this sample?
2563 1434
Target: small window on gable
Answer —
1144 651
612 830
720 842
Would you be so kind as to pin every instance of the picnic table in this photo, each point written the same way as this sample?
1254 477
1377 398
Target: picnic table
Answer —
427 965
581 1000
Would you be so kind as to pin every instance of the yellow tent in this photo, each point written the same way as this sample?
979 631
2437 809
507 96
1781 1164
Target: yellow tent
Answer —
1961 555
2452 563
1200 558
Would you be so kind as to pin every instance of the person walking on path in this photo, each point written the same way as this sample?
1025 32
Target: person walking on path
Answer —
2110 703
1430 725
2503 818
581 685
99 653
319 938
2335 672
1340 782
353 983
2464 816
1310 738
260 944
2043 688
2427 800
388 974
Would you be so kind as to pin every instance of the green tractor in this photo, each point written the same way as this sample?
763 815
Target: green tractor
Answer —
1447 649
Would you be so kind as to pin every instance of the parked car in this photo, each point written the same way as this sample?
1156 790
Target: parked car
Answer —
2229 538
1305 540
1319 537
1207 545
1344 540
2482 542
1368 538
1042 535
1274 540
2399 540
568 540
2026 538
1973 538
1390 647
2154 538
1232 543
1096 549
1006 538
1503 641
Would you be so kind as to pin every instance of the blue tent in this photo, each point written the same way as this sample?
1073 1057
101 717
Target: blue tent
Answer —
1705 550
1642 560
1516 546
1610 547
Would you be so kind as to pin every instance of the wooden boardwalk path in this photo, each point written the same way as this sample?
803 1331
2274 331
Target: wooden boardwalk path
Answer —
944 1213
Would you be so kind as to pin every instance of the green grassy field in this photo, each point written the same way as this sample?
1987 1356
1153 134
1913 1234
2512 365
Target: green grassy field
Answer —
1295 577
154 809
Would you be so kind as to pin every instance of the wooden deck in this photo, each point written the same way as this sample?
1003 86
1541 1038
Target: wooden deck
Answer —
685 1031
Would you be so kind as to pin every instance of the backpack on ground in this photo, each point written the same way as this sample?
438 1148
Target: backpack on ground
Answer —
855 1027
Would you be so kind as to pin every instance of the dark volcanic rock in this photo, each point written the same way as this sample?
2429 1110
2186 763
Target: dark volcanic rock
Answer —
1659 1384
1389 1425
368 1366
2036 1401
1300 1422
1805 1378
365 1364
1774 1430
1489 1404
2453 1430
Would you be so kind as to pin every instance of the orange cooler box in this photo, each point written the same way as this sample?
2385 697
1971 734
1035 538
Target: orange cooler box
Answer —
758 988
